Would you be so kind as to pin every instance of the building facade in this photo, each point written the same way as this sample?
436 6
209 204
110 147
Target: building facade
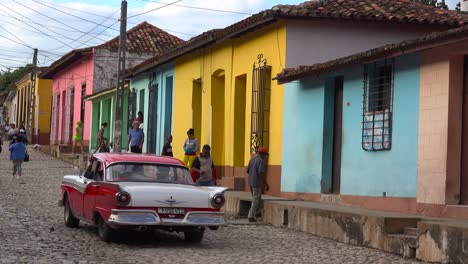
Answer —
34 104
382 129
91 70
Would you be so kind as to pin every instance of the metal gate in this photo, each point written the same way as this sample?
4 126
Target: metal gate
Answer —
261 91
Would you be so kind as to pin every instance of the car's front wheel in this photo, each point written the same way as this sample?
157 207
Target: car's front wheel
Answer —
105 232
70 219
195 235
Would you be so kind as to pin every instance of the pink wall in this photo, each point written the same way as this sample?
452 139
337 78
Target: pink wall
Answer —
74 75
440 125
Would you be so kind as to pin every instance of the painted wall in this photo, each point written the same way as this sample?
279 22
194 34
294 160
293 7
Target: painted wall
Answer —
310 42
43 105
103 110
303 136
440 126
161 114
73 76
363 173
218 65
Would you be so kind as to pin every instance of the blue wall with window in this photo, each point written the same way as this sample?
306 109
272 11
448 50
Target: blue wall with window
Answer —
363 173
158 112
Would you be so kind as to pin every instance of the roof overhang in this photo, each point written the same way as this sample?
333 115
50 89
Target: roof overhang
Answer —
65 61
429 41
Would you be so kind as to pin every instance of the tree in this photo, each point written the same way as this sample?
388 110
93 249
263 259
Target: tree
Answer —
435 3
8 78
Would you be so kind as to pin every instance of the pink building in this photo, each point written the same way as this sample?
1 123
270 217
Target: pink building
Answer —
90 70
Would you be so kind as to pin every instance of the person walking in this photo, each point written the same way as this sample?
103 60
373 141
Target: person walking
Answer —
17 156
191 147
100 134
257 181
167 148
203 166
136 138
78 138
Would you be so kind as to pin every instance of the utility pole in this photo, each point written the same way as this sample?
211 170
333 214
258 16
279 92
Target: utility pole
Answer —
119 93
32 99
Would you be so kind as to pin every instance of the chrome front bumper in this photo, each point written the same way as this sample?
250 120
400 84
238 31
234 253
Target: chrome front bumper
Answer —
150 217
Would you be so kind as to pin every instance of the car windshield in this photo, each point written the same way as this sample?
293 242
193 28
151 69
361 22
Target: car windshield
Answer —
142 172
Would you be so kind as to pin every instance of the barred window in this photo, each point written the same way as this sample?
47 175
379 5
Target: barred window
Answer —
260 115
377 106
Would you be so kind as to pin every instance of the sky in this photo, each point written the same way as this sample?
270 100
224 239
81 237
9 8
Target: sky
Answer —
56 27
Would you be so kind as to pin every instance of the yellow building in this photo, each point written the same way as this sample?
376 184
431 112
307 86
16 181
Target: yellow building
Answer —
39 97
213 94
223 85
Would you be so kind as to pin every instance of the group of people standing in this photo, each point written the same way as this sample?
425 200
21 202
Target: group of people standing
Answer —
199 162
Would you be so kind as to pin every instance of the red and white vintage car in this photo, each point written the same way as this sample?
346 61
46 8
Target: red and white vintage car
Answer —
140 191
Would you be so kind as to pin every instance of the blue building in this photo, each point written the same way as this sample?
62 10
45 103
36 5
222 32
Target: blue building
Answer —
382 129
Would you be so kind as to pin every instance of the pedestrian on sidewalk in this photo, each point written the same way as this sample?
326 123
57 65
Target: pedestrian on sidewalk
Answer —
139 118
136 138
100 135
257 182
191 147
17 155
167 148
78 138
203 166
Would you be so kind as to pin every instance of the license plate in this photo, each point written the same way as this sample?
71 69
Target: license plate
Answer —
171 210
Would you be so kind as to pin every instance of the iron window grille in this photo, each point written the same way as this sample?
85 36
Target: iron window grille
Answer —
260 115
377 111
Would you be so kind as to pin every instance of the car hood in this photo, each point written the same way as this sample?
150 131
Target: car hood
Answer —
145 194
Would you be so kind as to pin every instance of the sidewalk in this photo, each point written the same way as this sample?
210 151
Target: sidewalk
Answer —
425 238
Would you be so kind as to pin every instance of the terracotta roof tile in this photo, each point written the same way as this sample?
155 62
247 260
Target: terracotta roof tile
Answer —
403 11
392 11
144 38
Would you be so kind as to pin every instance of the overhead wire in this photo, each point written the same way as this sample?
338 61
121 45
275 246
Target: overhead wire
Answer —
204 8
30 25
51 18
101 24
26 44
151 10
32 31
61 11
10 59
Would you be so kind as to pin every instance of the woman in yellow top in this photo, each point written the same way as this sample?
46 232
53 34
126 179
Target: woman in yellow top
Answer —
78 138
191 147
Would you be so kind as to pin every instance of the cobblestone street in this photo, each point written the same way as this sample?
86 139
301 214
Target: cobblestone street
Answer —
32 231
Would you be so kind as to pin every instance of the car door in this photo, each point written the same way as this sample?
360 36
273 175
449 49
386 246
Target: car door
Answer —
92 189
76 196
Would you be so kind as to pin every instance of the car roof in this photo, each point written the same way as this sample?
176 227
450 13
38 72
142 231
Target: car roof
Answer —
109 158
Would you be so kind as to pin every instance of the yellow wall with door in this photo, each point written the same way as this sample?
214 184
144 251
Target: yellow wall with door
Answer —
224 62
44 92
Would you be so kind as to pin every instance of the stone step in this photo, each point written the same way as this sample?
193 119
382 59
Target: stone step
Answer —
403 236
403 244
412 231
